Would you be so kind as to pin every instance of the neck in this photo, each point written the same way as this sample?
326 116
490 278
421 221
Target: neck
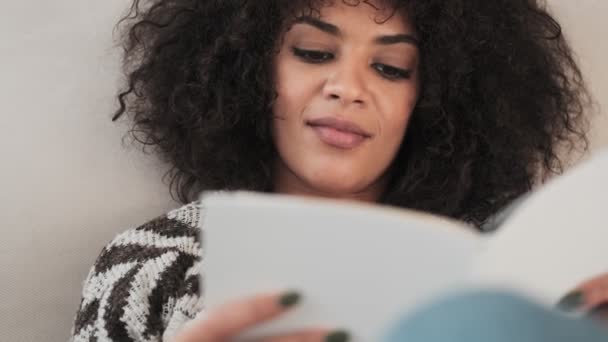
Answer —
287 182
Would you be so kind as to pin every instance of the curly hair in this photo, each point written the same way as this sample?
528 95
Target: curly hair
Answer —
501 96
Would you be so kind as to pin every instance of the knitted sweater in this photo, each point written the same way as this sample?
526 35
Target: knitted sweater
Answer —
145 284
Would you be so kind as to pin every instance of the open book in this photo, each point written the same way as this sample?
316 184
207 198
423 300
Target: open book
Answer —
361 266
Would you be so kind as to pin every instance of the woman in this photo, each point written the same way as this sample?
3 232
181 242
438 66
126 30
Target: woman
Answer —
452 107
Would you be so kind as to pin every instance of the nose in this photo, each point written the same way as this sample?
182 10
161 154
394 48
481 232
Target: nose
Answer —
346 83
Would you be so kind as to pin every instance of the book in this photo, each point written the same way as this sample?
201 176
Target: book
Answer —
361 266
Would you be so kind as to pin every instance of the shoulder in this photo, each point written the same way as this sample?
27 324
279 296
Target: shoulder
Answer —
178 230
146 280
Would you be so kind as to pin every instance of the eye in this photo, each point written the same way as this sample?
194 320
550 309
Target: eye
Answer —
391 72
312 56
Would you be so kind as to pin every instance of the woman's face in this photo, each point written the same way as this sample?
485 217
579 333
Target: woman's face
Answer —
347 86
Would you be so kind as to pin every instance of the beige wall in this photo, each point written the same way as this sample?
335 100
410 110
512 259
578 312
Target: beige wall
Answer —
67 185
587 29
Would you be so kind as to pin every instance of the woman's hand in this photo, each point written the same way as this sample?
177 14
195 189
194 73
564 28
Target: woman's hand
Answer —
232 319
590 297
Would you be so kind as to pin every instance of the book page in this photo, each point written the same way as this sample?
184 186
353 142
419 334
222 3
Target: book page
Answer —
358 266
556 239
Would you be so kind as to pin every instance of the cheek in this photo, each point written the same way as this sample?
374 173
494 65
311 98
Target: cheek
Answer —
398 109
294 88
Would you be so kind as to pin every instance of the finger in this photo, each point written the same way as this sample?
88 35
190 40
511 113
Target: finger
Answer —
595 281
233 318
586 295
595 292
318 335
595 297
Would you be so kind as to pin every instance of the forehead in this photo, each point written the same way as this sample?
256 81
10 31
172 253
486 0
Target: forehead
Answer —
362 16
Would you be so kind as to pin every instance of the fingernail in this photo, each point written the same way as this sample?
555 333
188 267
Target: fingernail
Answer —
337 336
289 299
571 301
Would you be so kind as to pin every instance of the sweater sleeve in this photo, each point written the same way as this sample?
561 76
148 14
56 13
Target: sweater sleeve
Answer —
144 285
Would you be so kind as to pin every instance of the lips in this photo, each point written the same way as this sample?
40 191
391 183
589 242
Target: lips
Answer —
339 133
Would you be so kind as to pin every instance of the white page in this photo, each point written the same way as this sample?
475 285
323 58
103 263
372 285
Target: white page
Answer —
557 239
357 267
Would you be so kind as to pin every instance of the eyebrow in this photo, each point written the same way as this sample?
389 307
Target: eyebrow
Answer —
335 31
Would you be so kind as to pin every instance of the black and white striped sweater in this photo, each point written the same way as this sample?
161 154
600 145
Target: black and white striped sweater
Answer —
144 286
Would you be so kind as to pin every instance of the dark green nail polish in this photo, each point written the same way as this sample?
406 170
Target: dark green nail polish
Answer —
289 299
571 301
337 336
